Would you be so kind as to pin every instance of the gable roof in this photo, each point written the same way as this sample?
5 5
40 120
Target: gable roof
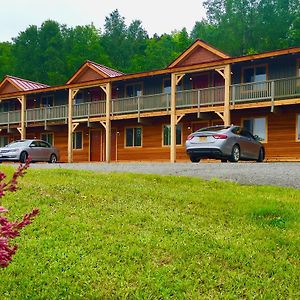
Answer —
16 84
91 70
198 52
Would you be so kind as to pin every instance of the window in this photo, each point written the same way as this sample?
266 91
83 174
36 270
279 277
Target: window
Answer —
167 86
167 135
134 90
47 137
257 126
3 141
77 140
79 98
255 74
298 68
133 137
47 101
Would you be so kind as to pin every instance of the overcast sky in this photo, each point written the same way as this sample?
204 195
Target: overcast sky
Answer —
157 16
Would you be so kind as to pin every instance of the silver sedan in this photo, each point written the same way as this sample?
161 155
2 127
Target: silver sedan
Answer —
37 150
231 143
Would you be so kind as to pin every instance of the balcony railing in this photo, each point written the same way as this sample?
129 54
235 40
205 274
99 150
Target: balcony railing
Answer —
266 90
10 117
54 113
89 109
278 89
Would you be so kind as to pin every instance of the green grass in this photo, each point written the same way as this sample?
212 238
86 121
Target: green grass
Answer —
125 236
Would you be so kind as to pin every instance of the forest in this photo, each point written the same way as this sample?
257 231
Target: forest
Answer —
51 53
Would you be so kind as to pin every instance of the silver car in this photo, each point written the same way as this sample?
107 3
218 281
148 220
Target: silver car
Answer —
231 143
37 150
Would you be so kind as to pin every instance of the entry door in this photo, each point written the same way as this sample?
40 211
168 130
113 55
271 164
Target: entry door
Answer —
113 154
96 145
201 81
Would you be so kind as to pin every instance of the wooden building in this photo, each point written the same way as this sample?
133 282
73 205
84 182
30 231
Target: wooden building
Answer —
102 114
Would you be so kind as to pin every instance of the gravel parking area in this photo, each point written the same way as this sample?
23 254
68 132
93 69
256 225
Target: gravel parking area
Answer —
279 174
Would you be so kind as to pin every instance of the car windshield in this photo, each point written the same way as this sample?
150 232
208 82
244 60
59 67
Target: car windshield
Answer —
213 128
18 144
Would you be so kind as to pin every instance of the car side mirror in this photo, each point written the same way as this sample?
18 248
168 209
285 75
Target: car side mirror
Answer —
257 138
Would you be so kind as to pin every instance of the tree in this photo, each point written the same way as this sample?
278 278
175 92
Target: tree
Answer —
7 63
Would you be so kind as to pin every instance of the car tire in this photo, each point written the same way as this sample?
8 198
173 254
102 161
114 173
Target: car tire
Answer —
235 154
261 155
53 159
23 157
195 159
224 160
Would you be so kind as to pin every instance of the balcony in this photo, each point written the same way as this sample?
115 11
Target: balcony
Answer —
272 90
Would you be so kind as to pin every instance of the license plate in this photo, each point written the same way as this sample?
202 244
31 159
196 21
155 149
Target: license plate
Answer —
202 138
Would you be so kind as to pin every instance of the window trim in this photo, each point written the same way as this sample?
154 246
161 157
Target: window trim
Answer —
52 133
132 84
77 149
254 67
133 146
266 125
162 136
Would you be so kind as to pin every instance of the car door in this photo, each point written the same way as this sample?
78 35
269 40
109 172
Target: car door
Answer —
34 151
44 151
251 147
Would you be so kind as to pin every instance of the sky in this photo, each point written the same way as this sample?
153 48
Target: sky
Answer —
157 16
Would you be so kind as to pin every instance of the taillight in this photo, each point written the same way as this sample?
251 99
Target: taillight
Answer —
190 137
220 136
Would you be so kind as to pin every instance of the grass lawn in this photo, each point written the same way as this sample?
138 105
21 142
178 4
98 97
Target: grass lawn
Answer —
126 236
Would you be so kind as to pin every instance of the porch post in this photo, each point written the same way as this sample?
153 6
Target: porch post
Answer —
173 119
227 77
108 123
23 112
72 94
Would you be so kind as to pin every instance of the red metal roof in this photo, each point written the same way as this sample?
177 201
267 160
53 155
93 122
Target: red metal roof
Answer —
26 85
108 71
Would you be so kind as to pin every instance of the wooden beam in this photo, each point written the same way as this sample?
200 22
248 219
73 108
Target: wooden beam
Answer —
221 71
23 117
103 123
179 77
178 118
173 118
220 115
227 77
74 126
108 123
72 94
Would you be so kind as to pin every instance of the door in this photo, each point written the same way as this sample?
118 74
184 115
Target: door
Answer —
96 145
113 154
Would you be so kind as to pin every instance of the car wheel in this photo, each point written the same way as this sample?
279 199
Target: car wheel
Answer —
235 154
53 159
261 155
194 159
23 157
224 160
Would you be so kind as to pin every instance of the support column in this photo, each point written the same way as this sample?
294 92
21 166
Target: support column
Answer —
22 129
108 123
227 77
72 94
173 119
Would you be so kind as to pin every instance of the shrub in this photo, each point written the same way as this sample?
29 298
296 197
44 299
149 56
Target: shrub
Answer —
10 230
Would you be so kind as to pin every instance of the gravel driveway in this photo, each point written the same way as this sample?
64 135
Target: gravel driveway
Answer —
280 174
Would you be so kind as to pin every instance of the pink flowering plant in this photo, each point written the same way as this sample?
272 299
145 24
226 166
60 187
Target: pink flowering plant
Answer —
10 230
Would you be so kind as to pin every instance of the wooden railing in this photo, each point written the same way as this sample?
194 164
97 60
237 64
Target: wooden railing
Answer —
89 109
240 93
10 117
47 113
266 90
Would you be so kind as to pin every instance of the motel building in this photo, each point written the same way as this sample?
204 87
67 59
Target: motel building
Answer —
104 115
